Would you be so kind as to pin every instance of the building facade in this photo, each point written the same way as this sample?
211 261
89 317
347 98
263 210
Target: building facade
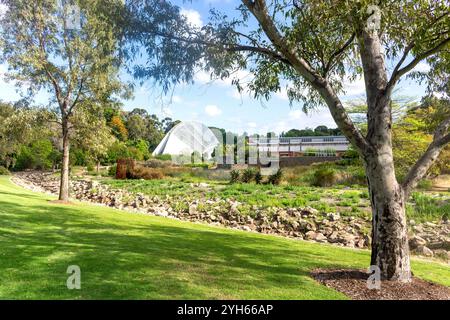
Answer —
325 146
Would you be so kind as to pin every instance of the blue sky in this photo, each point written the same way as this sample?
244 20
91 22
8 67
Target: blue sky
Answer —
218 103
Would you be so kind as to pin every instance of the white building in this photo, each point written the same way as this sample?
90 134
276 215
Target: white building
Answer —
300 146
186 138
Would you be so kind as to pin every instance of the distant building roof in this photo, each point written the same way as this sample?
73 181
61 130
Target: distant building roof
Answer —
187 137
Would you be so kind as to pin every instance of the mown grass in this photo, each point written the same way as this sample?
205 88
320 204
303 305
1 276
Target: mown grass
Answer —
124 255
347 201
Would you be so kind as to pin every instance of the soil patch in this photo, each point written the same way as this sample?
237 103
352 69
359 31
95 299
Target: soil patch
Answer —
353 283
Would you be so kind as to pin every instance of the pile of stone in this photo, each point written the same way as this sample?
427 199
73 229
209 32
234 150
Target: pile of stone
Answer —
428 239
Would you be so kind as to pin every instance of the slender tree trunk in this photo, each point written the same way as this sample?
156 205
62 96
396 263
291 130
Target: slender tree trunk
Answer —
64 186
390 251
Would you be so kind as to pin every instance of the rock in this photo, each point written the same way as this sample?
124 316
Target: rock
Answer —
192 209
416 241
424 251
310 235
294 225
345 238
444 244
333 237
333 216
320 237
360 243
246 228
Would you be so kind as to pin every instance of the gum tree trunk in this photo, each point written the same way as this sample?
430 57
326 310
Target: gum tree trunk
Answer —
64 183
390 251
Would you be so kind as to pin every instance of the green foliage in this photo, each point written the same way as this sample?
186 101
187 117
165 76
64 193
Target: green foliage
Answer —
258 177
119 150
39 155
164 157
234 176
414 132
248 175
427 207
324 177
202 165
146 173
4 171
112 170
425 184
276 177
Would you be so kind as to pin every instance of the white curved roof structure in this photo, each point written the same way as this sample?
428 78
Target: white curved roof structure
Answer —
186 138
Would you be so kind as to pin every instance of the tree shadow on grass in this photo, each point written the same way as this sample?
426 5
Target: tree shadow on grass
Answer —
150 258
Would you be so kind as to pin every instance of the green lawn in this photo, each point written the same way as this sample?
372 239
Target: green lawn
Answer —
124 255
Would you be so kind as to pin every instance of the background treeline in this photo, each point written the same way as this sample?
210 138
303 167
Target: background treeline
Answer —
29 138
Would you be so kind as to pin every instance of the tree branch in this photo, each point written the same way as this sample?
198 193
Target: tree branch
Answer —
399 72
259 9
420 168
338 53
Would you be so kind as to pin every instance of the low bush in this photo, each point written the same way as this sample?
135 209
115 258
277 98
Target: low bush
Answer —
258 177
324 177
248 175
197 165
276 177
164 157
157 163
234 176
425 184
146 173
4 171
112 170
353 176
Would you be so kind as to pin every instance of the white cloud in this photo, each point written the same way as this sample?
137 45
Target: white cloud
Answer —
212 110
251 124
193 17
167 112
295 114
177 99
353 88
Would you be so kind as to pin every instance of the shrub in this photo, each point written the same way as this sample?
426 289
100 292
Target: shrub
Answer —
157 163
197 165
425 184
258 177
164 157
234 176
324 177
139 172
112 170
276 177
124 168
4 171
90 167
353 176
248 175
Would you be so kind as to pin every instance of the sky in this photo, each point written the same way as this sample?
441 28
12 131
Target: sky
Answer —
218 103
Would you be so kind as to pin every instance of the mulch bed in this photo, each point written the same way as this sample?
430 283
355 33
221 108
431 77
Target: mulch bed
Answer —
353 283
